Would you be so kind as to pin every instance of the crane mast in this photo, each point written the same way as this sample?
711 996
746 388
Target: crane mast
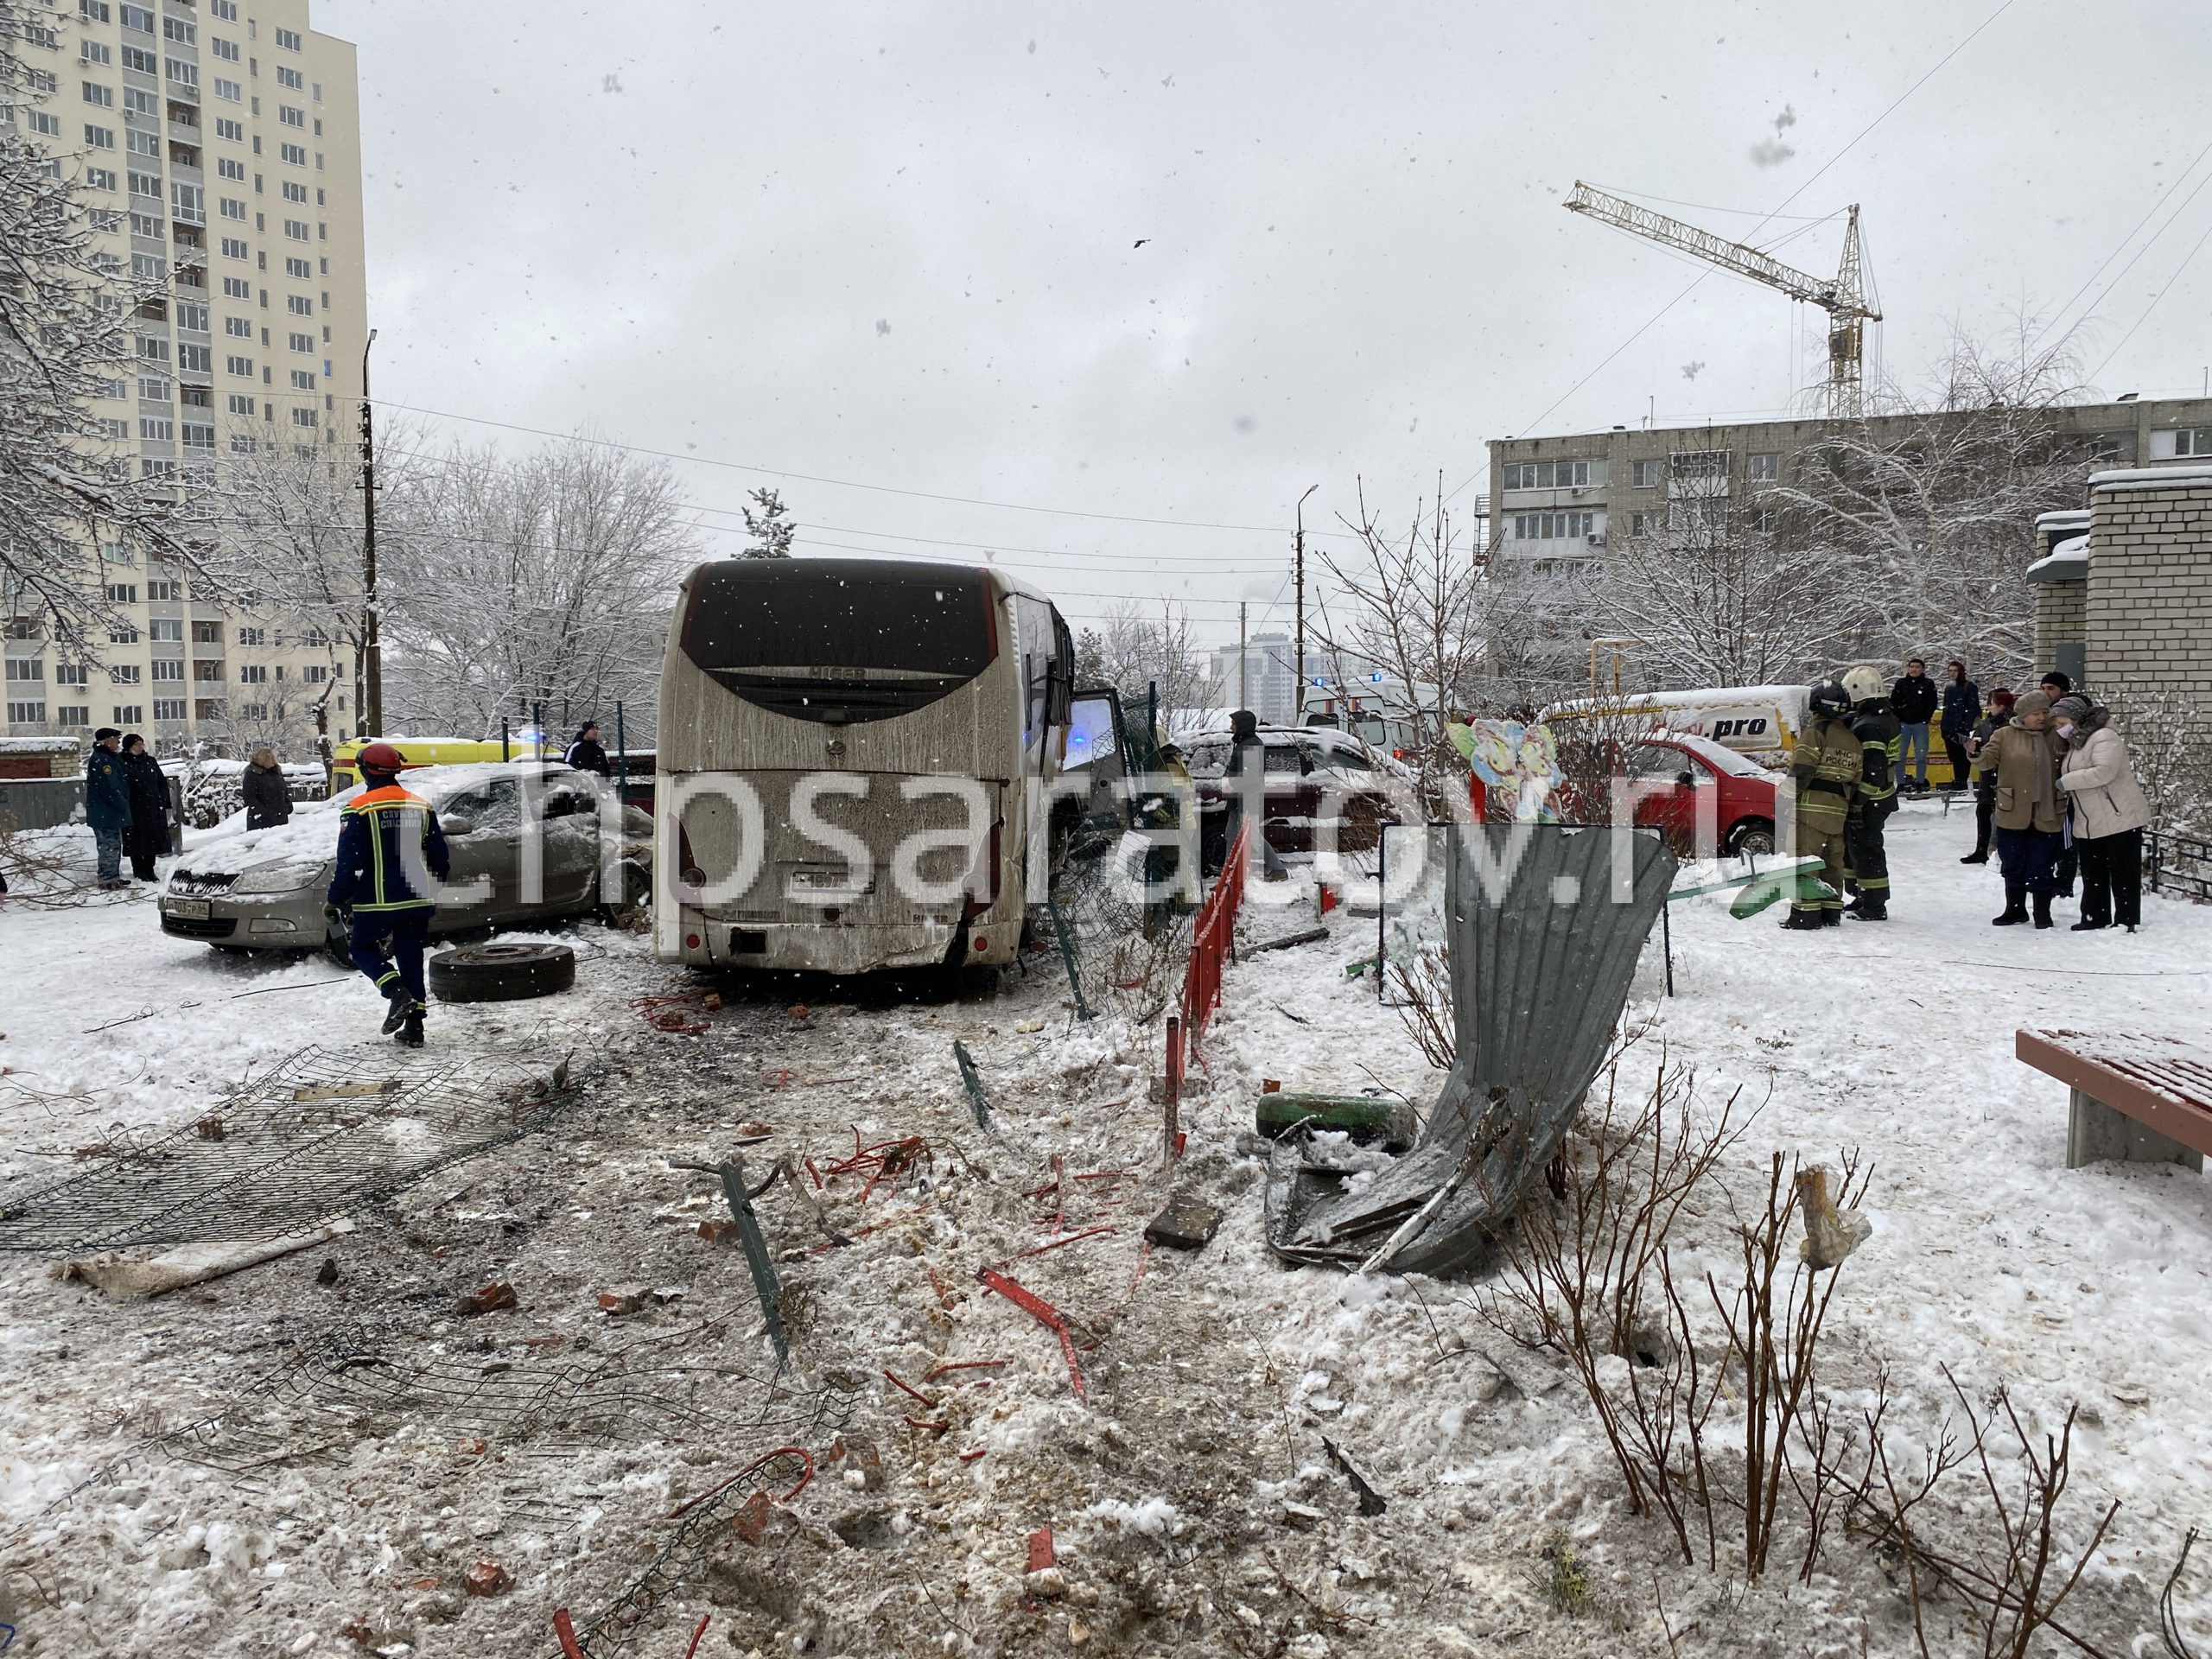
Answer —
1842 298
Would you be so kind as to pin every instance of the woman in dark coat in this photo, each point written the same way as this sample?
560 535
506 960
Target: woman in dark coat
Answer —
148 838
268 801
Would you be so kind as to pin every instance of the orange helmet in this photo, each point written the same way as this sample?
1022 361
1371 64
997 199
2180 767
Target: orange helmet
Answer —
380 757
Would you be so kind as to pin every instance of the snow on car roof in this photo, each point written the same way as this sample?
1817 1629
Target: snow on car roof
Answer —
1718 756
313 832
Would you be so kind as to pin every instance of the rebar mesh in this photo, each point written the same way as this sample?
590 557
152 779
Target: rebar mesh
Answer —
325 1133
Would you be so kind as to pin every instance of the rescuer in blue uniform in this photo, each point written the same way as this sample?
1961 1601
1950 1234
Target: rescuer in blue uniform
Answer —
390 847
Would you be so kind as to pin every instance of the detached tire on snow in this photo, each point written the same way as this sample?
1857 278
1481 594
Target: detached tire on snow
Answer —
501 973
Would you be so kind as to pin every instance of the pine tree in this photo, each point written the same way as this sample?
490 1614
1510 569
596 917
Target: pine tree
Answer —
770 532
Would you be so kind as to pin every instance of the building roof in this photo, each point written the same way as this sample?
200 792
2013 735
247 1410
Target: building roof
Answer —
2068 561
2177 475
2068 519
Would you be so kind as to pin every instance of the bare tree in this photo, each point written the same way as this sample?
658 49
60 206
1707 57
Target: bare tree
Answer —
1136 651
771 531
538 580
1935 527
66 340
1722 601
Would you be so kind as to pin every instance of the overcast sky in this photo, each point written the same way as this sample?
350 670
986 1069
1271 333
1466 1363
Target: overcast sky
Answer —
1181 261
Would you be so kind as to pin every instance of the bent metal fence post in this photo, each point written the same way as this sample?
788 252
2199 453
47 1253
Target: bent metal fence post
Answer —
1213 942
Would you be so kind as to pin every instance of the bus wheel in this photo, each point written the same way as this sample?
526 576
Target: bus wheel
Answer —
501 973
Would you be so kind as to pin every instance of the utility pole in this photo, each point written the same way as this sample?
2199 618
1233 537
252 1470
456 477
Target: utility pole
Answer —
372 709
1243 678
1298 709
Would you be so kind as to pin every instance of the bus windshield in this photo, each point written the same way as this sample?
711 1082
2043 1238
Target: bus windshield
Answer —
840 639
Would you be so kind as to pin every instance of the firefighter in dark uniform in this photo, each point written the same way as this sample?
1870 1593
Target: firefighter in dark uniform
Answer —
1825 767
390 852
1876 726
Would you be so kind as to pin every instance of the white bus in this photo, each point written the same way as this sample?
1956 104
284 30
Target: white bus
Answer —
850 754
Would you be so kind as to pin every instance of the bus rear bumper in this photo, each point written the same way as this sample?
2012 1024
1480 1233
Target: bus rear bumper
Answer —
856 947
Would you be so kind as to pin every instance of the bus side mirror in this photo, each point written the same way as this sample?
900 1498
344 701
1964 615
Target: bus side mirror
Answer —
458 826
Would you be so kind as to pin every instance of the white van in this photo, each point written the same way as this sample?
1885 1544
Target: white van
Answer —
1750 719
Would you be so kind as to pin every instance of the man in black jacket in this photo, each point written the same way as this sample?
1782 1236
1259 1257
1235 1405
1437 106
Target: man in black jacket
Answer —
1912 700
1961 708
585 753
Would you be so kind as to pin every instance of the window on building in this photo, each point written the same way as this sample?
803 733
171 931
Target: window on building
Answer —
195 435
296 192
290 116
302 343
21 669
1764 520
227 50
291 78
2193 441
112 428
72 716
1766 469
234 247
71 674
253 674
1553 526
194 360
157 431
206 633
153 389
1697 466
168 709
243 367
125 673
296 229
184 33
93 11
1548 475
303 417
131 714
226 10
153 468
301 269
288 39
96 94
168 668
170 591
300 305
1644 474
143 63
238 328
237 287
295 154
1645 524
229 90
253 636
99 178
139 18
233 130
191 315
98 138
2112 446
1696 515
183 73
303 380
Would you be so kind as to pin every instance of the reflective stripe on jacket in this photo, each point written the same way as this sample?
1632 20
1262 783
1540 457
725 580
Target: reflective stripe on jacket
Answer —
1826 764
376 832
1880 739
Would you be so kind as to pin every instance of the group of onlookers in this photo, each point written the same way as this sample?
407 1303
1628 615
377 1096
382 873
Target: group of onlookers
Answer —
2057 795
127 803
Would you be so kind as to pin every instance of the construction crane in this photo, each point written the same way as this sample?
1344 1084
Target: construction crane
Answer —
1842 298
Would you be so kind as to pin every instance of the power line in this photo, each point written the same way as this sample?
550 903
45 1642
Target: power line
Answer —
2160 295
836 483
2151 241
2157 202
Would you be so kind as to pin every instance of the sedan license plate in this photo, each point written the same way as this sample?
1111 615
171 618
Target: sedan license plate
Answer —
190 910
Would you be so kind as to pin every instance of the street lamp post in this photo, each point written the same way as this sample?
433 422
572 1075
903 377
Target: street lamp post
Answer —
370 694
1297 652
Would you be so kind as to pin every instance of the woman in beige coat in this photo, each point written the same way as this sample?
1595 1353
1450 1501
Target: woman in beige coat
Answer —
2109 815
2023 761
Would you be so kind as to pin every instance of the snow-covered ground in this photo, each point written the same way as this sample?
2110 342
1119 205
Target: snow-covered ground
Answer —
1194 1505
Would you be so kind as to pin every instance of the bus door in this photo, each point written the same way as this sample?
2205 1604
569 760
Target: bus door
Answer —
1098 750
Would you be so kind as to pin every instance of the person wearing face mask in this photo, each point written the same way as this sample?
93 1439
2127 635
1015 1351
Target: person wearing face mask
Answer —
2023 758
2110 813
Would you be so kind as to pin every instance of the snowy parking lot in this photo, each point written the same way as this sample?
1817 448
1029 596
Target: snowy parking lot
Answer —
343 1450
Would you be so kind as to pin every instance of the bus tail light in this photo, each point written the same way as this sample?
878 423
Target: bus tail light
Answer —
687 867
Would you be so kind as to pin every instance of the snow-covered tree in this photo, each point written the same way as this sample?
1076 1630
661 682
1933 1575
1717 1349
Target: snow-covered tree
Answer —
1137 650
1935 527
771 531
544 579
66 340
1722 601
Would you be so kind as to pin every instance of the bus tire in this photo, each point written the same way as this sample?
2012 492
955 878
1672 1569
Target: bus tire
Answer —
501 973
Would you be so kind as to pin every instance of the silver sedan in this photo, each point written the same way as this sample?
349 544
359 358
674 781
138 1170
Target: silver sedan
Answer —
529 841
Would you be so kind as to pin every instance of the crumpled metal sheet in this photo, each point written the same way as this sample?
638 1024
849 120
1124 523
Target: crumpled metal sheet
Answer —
1544 941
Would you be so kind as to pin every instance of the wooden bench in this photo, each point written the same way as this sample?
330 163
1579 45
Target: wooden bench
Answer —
2138 1098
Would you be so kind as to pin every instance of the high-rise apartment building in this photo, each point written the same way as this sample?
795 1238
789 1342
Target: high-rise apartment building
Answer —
217 144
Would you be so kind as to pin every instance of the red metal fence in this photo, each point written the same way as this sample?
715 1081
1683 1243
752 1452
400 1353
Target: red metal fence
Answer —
1213 943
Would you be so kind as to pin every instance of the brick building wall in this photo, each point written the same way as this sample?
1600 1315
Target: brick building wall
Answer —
2148 614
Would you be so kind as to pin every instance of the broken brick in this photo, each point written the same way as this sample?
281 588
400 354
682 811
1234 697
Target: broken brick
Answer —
487 1579
1040 1550
624 1298
486 1299
715 1232
753 1517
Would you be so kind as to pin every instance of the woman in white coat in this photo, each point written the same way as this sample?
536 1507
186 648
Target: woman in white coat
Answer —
2109 815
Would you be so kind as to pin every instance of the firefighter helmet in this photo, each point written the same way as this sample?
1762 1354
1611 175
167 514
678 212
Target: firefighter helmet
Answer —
380 757
1864 683
1830 698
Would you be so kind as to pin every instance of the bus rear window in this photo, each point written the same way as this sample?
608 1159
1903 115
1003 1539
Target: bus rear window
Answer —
840 614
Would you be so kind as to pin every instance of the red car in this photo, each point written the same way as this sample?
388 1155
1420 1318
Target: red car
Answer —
1678 774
